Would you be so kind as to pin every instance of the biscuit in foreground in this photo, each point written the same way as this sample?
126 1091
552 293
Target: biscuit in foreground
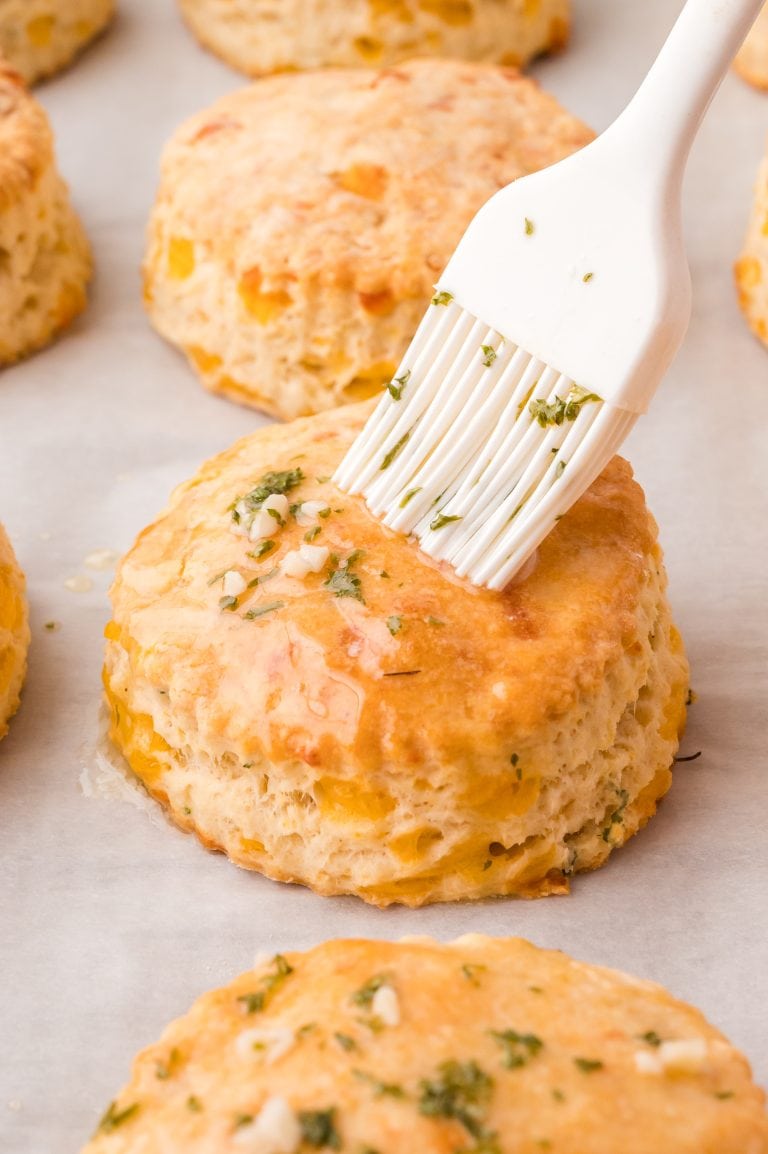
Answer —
329 706
752 267
302 222
40 37
258 38
752 61
46 261
415 1047
14 632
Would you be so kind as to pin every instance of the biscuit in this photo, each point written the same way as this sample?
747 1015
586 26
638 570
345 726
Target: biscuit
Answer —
415 1047
45 259
40 37
752 267
260 36
14 632
378 726
752 61
302 222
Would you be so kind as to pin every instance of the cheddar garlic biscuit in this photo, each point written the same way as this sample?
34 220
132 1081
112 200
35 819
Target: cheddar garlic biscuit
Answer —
259 36
39 37
302 222
14 632
752 61
309 693
752 267
415 1047
45 259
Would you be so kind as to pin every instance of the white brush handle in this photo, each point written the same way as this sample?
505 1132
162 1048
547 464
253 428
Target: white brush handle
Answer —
669 106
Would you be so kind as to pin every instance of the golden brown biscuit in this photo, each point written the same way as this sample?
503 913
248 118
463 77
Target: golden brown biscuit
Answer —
752 61
45 260
14 632
259 36
302 222
39 37
414 1047
752 266
379 726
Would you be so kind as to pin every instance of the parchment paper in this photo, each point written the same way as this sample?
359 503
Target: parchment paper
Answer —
110 923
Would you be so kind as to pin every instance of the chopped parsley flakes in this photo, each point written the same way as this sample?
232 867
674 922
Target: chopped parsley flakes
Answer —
489 355
396 386
115 1118
262 549
442 297
318 1129
346 1042
518 1048
254 1003
394 625
561 409
365 995
617 817
271 484
345 584
461 1091
390 456
530 227
588 1065
263 578
228 603
262 610
440 521
409 497
342 582
163 1070
380 1089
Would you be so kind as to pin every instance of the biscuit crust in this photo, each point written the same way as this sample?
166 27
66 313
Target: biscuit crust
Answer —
261 36
752 61
752 267
545 1053
45 258
14 632
40 37
430 742
301 222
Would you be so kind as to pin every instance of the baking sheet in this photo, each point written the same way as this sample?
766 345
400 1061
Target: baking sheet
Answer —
110 923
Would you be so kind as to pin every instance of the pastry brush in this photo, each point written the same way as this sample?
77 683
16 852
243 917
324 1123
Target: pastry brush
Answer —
550 329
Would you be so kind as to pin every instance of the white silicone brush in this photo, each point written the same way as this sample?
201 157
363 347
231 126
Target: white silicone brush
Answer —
550 329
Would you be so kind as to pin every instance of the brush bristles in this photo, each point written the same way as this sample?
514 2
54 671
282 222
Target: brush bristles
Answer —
477 447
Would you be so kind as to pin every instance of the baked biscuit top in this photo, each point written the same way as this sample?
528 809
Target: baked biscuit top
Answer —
381 654
336 160
484 1045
